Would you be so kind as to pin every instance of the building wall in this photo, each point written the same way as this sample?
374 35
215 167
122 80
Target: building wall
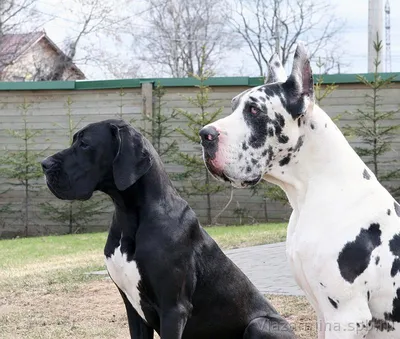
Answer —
47 113
40 57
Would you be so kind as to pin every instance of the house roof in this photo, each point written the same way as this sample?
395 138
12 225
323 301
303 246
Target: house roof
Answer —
12 46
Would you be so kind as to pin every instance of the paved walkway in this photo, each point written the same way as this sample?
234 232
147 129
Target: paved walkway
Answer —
266 266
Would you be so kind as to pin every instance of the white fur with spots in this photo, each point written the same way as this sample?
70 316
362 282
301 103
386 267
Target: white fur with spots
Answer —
341 239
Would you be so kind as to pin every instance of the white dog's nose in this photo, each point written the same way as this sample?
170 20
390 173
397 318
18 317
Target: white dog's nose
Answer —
208 134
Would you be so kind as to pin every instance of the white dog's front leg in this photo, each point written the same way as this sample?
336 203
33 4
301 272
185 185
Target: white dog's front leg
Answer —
321 327
350 321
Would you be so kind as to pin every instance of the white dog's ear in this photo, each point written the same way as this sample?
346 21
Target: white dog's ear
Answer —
276 72
299 87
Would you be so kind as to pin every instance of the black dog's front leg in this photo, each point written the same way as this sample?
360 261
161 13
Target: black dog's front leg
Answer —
272 327
173 322
137 327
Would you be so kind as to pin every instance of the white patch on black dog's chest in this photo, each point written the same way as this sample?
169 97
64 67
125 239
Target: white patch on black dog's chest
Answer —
126 275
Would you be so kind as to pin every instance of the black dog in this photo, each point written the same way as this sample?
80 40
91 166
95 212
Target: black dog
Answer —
172 276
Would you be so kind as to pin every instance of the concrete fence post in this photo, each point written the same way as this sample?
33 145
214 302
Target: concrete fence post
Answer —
147 104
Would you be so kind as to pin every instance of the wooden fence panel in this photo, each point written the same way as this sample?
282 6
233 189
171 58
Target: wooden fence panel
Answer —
47 112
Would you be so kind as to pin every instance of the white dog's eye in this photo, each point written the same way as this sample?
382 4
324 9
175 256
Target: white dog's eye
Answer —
253 110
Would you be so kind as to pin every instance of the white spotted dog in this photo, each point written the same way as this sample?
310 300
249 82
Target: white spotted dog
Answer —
343 240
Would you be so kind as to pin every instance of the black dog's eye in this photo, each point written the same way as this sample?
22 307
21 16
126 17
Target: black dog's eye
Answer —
83 145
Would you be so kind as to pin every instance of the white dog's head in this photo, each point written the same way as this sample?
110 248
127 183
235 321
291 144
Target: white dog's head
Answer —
264 129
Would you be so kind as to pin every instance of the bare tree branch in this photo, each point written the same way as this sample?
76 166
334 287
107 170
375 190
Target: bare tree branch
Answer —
255 21
176 32
93 17
14 14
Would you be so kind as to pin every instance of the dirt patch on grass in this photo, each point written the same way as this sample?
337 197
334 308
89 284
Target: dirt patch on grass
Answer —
298 312
89 310
94 309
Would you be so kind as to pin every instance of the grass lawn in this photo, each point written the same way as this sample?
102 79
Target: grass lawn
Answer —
45 252
46 293
242 236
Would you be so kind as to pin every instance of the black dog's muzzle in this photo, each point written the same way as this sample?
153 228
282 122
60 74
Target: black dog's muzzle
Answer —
52 169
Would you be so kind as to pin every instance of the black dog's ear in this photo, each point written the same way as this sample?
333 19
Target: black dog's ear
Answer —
132 160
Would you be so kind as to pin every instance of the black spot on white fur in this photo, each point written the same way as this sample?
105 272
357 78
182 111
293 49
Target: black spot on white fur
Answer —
333 302
299 143
395 267
356 255
283 139
270 154
288 93
285 160
382 325
280 119
366 174
253 99
397 208
377 259
395 314
388 211
257 123
394 246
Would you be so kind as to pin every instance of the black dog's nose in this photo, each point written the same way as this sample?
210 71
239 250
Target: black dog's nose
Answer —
47 164
209 133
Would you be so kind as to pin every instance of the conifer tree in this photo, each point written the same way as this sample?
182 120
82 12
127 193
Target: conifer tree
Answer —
22 166
205 112
375 127
74 214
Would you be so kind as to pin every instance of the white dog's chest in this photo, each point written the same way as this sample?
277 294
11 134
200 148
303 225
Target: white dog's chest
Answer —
126 275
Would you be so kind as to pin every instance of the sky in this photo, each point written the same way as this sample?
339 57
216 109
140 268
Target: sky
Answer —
353 38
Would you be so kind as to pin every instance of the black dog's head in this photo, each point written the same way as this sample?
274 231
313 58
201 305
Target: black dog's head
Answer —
105 153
